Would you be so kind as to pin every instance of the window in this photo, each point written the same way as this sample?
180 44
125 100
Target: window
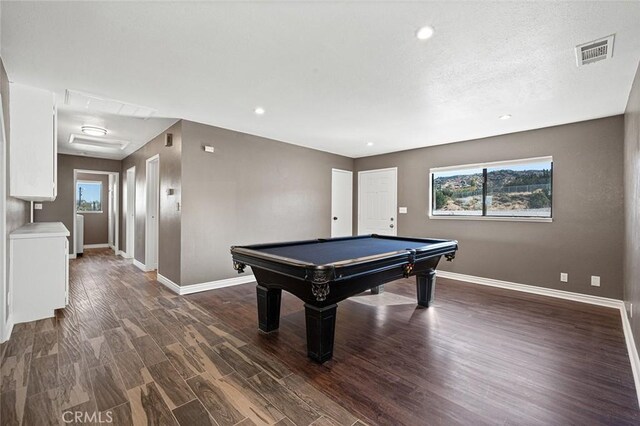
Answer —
89 196
506 189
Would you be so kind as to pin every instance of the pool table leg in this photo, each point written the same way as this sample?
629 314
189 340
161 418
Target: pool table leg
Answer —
268 308
426 287
321 325
377 290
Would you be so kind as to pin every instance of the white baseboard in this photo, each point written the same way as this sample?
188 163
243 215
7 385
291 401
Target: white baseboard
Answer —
141 266
559 294
73 256
8 328
211 285
567 295
92 246
123 254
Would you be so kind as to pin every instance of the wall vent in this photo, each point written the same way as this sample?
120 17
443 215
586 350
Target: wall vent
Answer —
594 51
87 101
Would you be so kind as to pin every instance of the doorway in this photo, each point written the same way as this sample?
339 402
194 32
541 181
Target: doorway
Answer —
112 214
341 203
152 188
378 201
130 211
85 207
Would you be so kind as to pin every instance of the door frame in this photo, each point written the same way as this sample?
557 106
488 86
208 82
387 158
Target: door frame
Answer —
360 173
350 173
130 225
6 307
110 214
116 206
147 221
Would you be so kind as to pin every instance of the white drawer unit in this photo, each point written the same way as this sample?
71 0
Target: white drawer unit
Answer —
33 159
39 270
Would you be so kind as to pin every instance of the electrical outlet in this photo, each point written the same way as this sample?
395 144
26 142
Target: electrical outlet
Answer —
595 280
564 277
37 206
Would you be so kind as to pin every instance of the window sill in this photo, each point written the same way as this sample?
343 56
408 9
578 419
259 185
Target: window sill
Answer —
495 218
83 212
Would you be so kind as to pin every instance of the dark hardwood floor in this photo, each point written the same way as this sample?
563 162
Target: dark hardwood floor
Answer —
128 351
481 355
129 348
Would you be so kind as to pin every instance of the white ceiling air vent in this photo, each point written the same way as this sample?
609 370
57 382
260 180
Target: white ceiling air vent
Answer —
594 51
87 101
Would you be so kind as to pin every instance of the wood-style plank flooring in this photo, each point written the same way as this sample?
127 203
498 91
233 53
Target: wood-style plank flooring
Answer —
127 351
479 356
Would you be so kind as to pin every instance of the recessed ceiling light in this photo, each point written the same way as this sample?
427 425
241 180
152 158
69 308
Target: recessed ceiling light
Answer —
93 130
259 111
505 117
369 143
424 33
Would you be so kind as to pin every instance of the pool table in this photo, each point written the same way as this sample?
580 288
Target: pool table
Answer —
324 272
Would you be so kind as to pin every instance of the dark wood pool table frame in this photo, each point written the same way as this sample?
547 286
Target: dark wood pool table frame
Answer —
322 286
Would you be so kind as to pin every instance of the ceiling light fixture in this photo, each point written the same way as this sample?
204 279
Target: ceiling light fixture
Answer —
505 117
259 111
93 130
424 33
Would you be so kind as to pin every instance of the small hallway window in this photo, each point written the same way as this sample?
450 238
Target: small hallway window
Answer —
89 196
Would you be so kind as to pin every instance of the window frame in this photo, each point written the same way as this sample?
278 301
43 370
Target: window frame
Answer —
484 167
78 182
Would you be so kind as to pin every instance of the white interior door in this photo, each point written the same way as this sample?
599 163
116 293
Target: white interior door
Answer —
341 203
153 185
130 199
378 202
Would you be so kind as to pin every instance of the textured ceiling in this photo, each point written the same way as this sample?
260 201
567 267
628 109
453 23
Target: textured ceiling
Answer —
334 75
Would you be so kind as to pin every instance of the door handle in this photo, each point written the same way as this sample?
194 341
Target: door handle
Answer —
335 218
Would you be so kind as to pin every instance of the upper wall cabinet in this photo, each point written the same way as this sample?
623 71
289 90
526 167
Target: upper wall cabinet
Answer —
33 156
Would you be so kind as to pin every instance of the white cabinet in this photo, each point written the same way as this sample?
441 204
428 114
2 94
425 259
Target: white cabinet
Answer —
33 157
39 270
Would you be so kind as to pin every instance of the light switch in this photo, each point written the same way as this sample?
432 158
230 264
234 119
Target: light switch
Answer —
402 210
209 148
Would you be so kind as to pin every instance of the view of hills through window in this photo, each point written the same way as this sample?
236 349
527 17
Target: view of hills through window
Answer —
521 189
89 196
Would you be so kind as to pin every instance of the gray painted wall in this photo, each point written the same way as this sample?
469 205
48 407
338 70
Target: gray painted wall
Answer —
631 204
170 216
586 235
63 208
251 190
96 225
